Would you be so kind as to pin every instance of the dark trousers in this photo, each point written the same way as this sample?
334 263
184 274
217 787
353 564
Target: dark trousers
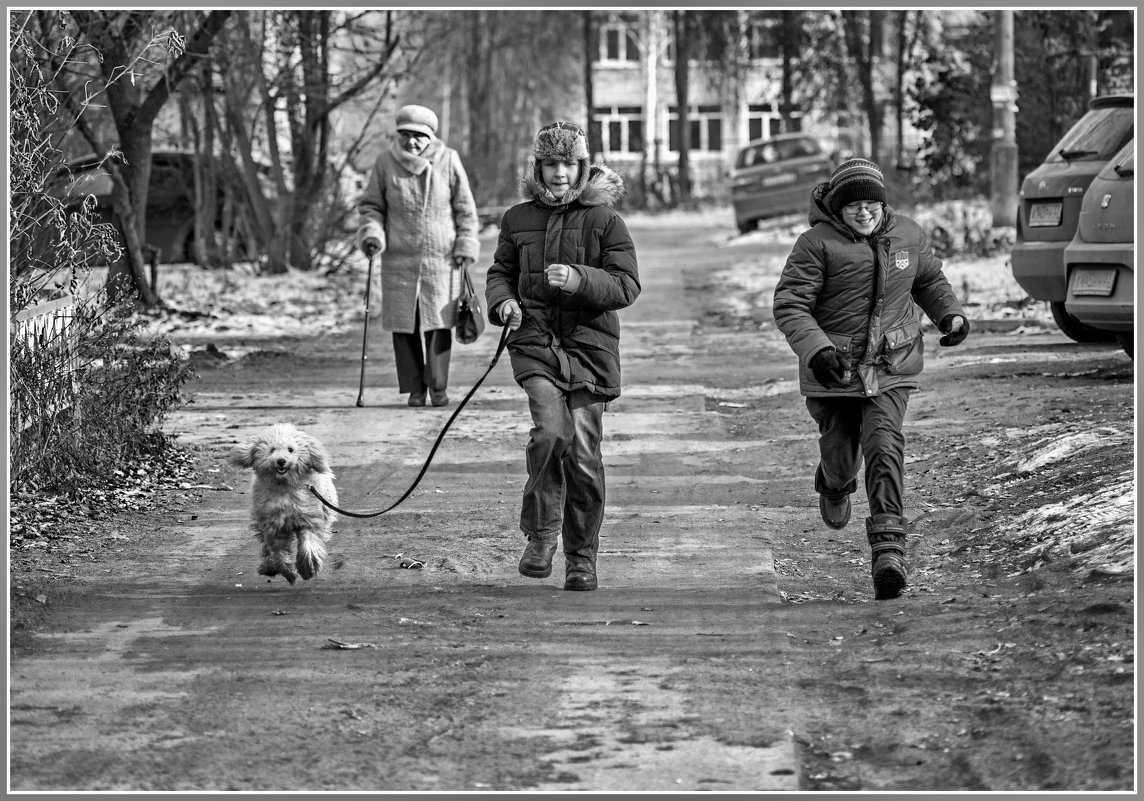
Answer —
565 490
851 429
420 368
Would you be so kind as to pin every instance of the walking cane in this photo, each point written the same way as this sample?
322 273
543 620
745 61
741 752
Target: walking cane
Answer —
365 330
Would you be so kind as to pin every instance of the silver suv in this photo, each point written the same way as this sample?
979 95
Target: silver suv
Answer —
1050 202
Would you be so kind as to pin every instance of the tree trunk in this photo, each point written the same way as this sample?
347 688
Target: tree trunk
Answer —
900 93
649 180
680 22
862 37
133 111
590 53
789 46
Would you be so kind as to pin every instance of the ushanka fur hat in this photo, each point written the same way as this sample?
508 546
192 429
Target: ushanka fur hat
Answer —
853 180
561 141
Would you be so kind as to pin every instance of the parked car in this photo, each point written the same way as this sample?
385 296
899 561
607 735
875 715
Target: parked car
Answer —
170 225
1101 259
774 176
1050 200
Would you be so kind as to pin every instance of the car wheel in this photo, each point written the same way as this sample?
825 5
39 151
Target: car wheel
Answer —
746 226
1128 343
1074 329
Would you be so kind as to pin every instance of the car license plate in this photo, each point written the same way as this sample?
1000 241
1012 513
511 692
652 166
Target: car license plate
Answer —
778 180
1093 282
1044 215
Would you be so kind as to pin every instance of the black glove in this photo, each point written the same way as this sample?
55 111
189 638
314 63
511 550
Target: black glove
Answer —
829 366
370 247
952 338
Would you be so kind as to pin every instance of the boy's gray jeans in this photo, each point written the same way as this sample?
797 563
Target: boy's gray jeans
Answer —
565 489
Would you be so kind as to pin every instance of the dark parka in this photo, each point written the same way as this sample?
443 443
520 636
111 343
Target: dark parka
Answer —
858 294
573 339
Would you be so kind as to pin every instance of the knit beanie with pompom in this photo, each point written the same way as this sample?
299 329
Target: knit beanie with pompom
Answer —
853 180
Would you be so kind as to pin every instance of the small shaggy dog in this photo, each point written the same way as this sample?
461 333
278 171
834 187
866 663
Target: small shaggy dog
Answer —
291 524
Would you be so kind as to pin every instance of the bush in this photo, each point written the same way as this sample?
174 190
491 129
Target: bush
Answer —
964 228
89 392
86 401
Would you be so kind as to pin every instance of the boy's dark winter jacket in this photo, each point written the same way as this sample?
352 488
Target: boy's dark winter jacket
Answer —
573 339
857 294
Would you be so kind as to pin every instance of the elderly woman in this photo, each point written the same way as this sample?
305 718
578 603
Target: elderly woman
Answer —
847 302
418 209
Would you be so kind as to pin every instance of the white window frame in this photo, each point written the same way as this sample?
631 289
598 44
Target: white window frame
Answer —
625 30
604 115
703 118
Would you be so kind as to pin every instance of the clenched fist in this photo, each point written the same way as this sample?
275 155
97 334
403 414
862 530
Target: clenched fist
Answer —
563 277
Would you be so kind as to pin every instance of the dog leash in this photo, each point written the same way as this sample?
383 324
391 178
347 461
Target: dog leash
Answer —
433 451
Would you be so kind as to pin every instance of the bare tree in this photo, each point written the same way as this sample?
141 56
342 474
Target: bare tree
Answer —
590 51
280 90
512 71
136 89
681 20
863 32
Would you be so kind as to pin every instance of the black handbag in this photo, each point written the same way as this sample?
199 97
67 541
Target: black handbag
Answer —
470 317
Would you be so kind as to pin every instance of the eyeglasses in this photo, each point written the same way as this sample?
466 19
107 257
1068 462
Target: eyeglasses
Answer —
412 135
854 208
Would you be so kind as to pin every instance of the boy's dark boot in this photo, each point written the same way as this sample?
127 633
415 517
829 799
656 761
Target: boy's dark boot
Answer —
887 536
834 508
833 504
580 560
537 559
579 572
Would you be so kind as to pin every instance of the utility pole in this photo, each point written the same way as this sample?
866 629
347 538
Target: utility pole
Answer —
1003 93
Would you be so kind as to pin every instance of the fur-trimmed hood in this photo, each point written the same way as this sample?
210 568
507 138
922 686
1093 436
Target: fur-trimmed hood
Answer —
603 187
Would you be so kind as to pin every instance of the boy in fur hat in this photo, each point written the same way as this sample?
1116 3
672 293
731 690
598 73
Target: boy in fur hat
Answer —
847 302
564 264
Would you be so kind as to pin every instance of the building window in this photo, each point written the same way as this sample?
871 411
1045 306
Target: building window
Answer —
618 42
622 128
762 39
760 121
763 121
705 124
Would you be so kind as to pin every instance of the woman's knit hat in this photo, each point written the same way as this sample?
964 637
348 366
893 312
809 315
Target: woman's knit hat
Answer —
561 141
417 118
855 179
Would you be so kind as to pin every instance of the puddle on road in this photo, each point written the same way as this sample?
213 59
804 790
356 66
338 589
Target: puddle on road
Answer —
643 738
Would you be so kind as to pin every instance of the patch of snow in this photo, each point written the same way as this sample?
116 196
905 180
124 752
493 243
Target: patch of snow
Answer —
1061 448
1097 527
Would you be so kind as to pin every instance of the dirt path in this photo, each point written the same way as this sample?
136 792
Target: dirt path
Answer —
733 644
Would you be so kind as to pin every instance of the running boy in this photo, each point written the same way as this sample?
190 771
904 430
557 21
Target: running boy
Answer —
564 264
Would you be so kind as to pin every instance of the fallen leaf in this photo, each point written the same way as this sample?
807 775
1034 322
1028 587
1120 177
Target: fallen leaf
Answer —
338 645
